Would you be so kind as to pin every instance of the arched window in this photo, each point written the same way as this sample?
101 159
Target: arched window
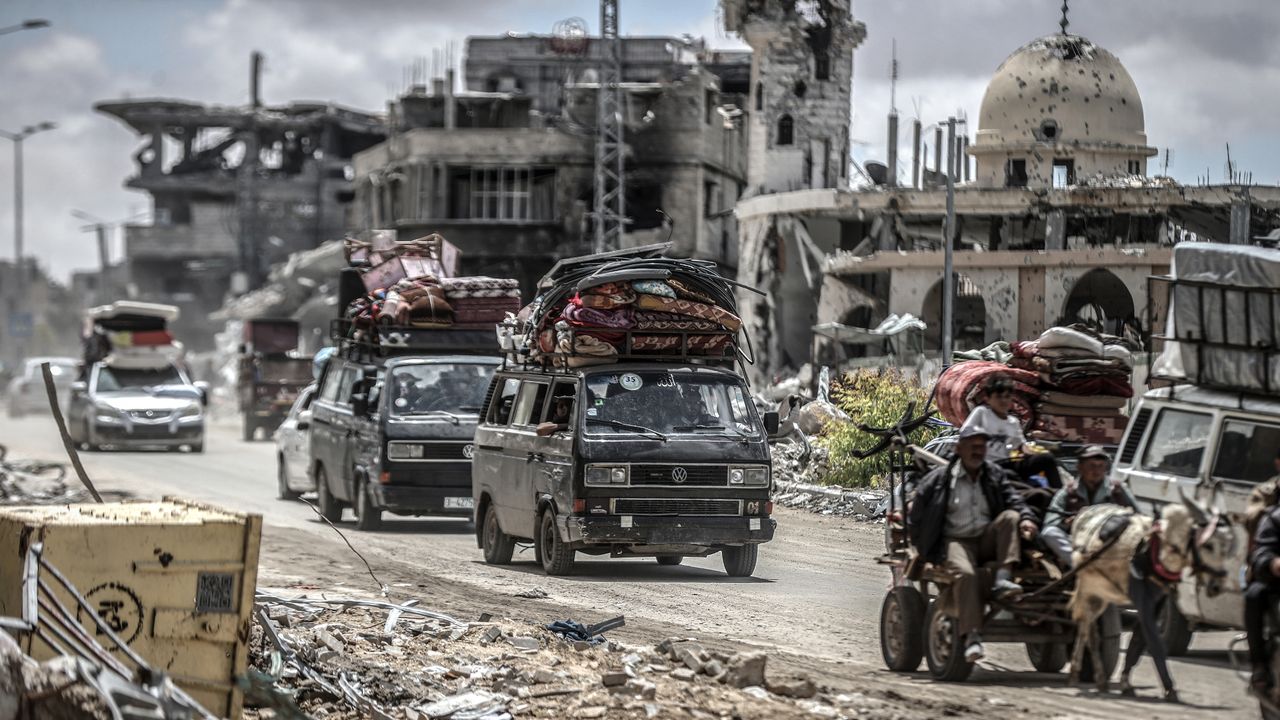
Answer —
786 130
759 96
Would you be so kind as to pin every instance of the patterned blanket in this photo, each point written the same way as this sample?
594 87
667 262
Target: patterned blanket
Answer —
653 320
480 287
690 308
702 344
1101 430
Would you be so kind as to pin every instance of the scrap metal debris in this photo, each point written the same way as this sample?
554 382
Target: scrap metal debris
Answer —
346 658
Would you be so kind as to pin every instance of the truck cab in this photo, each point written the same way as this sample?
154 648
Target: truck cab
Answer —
657 459
392 430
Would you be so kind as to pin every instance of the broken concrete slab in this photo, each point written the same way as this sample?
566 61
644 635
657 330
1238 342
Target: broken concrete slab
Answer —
746 670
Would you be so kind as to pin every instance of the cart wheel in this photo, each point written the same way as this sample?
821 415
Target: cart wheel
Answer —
1048 657
901 618
1174 627
1110 656
944 647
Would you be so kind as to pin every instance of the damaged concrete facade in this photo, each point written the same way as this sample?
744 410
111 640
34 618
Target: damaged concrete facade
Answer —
1061 224
504 168
218 222
801 79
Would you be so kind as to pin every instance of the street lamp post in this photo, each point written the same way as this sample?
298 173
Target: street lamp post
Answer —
17 139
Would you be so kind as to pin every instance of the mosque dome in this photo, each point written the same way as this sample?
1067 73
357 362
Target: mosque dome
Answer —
1065 96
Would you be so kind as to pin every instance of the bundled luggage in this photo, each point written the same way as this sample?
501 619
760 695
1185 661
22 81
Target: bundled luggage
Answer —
599 309
131 335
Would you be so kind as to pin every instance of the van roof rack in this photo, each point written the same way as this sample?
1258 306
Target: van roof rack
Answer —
1229 321
383 341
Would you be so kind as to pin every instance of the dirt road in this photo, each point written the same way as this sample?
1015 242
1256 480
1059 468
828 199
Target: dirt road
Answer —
814 603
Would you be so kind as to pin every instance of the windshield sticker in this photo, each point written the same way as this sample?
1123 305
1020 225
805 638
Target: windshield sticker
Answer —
667 381
631 381
592 412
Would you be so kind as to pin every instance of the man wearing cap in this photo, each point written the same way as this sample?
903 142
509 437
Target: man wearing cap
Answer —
1090 488
962 516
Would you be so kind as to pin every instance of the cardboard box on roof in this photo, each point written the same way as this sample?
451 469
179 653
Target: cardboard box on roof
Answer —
174 579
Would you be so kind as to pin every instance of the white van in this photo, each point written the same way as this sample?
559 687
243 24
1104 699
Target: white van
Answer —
1215 446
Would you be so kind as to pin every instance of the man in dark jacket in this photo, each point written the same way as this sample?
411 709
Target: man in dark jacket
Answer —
1264 586
966 514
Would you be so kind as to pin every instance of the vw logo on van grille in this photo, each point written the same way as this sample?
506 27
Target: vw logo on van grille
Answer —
679 475
468 451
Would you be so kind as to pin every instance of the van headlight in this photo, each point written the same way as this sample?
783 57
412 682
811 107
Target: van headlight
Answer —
190 411
404 451
607 475
749 476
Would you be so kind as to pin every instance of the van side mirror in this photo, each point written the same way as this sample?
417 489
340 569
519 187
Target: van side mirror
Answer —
203 387
771 421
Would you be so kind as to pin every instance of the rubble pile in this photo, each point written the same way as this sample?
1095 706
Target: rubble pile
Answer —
348 659
32 482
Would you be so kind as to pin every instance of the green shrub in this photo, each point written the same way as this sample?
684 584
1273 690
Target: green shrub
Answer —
877 398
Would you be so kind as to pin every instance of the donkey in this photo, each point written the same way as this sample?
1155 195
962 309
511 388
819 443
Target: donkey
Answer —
1129 559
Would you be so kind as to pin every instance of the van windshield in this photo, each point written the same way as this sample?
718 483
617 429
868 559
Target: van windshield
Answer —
668 403
438 388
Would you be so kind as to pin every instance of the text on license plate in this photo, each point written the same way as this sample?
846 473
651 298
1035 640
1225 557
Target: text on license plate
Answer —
458 503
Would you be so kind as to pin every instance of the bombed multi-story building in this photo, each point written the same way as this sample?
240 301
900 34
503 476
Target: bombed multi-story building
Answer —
233 190
503 166
1061 222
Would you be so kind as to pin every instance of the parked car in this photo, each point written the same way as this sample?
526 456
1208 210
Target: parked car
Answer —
1213 445
129 407
26 392
293 449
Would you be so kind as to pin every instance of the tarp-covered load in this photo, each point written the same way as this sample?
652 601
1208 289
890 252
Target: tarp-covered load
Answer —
131 334
632 304
1225 317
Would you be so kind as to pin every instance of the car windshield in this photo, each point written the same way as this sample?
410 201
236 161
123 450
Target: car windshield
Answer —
669 403
114 379
438 388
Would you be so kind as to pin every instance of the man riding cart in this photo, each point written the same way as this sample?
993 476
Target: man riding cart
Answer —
964 570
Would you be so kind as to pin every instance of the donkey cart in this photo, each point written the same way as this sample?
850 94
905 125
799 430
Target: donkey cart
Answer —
916 620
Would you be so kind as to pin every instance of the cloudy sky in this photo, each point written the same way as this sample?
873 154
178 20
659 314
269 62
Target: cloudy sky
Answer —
1208 73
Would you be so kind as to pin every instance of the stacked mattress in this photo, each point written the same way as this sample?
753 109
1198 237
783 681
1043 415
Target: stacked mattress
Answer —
630 307
1071 384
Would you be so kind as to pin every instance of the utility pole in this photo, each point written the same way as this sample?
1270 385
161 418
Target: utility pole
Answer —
610 201
949 232
18 259
247 197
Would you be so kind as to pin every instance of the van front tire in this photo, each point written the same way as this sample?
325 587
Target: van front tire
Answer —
740 561
556 556
498 546
368 517
330 506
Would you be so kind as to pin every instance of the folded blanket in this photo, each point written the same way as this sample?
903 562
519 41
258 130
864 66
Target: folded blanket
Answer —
701 344
995 352
1096 385
690 308
687 292
579 316
1065 337
653 320
1056 397
480 287
654 287
605 297
411 302
1074 411
1102 430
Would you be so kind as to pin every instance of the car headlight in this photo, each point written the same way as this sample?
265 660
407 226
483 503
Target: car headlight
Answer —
749 476
108 415
404 451
190 411
607 475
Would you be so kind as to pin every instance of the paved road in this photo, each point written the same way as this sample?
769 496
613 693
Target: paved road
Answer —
814 602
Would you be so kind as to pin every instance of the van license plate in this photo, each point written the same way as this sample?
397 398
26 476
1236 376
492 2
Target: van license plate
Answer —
458 503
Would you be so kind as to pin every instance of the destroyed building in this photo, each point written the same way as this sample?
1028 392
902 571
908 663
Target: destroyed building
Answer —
503 167
217 221
1061 222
